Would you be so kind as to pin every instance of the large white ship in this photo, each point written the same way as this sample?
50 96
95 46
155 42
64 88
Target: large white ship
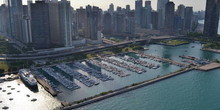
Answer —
28 78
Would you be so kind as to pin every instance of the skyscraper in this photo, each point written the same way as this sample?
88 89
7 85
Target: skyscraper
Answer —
147 3
26 25
188 19
54 24
15 10
154 17
3 20
130 23
51 24
181 13
65 21
92 21
128 8
138 9
111 8
107 23
82 22
161 12
211 18
146 16
118 24
119 9
40 25
169 17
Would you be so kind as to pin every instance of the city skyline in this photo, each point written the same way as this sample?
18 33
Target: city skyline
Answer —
197 4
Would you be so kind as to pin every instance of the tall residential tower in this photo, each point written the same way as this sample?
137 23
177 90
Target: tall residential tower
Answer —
211 18
161 12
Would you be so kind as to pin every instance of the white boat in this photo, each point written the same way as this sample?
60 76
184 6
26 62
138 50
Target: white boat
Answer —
27 78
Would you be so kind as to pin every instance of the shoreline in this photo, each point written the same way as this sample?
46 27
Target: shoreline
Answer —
109 94
171 45
211 50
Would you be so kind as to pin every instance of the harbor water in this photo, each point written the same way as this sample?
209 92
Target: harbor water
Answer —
194 90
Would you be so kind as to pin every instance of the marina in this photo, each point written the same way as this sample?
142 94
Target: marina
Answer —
76 75
123 90
112 69
194 61
140 62
159 59
123 64
47 84
106 76
64 81
92 72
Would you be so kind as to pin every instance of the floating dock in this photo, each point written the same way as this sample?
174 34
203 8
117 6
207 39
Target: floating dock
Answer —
210 66
46 86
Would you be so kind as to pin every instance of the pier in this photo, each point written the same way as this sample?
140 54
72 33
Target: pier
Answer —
208 67
46 85
109 68
141 54
130 67
100 97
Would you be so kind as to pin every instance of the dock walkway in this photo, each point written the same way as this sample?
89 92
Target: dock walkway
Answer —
210 66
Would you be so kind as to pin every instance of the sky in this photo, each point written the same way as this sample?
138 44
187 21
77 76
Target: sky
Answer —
104 4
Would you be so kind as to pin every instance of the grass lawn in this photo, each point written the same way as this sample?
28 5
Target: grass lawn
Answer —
174 42
115 40
215 45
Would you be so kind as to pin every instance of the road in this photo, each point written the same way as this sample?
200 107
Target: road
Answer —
60 53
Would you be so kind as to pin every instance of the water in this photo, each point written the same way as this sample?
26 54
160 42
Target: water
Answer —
202 22
20 99
194 90
191 91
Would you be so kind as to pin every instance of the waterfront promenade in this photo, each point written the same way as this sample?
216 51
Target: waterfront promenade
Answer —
122 90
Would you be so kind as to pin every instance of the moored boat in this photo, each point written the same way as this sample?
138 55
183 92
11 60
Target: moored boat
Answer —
27 78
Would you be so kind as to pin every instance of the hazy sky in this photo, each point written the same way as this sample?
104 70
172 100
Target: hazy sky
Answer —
104 4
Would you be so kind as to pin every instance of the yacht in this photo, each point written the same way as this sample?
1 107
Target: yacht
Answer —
27 78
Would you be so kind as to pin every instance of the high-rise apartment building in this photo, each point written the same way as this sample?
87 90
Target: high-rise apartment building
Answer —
211 18
51 24
188 19
107 23
169 17
146 16
15 10
111 8
40 24
161 12
138 12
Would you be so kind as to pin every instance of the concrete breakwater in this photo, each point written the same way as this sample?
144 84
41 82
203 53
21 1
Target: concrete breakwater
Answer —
100 97
211 50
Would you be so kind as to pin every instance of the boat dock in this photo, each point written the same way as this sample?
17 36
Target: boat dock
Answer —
210 66
109 68
123 64
161 59
46 86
